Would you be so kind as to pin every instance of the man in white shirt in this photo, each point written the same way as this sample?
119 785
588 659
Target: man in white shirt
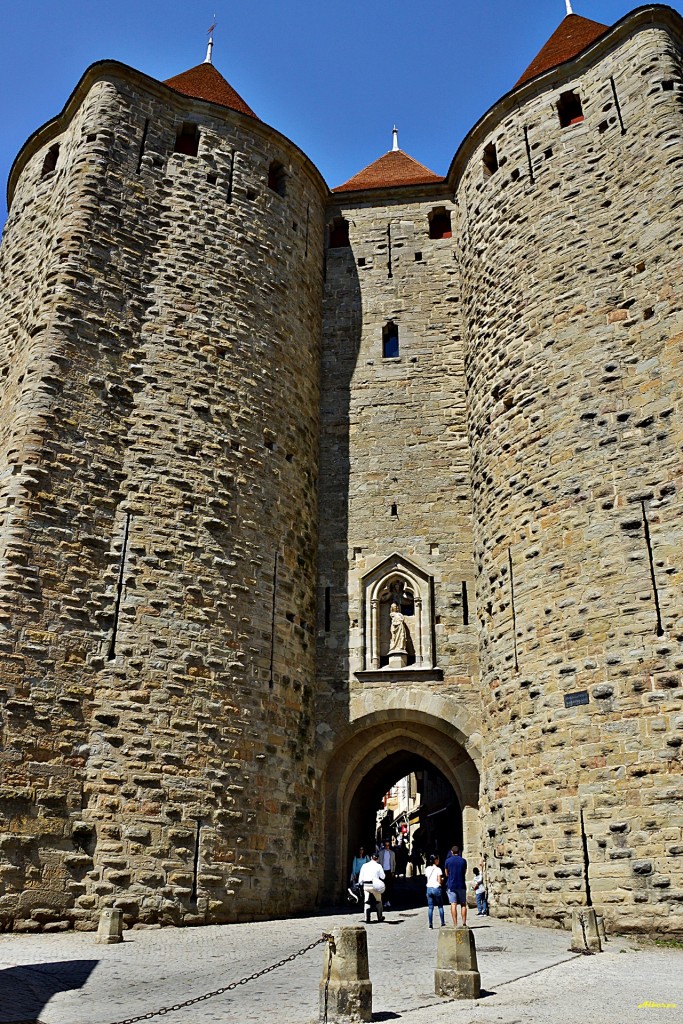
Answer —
371 877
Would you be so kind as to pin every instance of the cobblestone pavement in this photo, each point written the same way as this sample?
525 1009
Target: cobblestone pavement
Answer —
528 974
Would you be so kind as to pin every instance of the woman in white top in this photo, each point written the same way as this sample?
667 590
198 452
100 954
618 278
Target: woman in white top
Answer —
434 894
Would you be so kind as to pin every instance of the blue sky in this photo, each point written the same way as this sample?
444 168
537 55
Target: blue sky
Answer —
333 82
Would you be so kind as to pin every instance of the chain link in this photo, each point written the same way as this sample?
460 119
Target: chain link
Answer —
332 949
235 984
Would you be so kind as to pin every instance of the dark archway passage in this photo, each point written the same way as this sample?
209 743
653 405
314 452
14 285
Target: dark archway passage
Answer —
381 748
434 827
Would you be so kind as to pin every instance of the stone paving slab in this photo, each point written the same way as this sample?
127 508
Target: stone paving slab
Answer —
528 974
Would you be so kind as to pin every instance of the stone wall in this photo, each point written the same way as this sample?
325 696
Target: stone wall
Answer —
394 470
572 292
168 744
166 538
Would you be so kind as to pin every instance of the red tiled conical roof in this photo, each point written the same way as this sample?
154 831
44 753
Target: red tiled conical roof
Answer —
203 82
572 36
394 168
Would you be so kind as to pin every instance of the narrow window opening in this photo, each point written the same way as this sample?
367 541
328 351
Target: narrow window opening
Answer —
653 578
277 178
390 269
440 223
231 175
465 605
489 159
339 233
50 161
617 105
143 140
195 862
394 510
512 606
328 609
569 109
187 139
418 257
119 588
390 348
528 154
272 624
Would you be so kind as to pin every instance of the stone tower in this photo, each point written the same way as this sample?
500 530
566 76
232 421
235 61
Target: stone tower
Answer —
452 405
161 289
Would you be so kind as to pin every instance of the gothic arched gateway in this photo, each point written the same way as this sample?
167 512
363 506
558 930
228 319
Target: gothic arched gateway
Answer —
395 739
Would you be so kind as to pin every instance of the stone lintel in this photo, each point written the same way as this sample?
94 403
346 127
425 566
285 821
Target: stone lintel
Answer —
400 675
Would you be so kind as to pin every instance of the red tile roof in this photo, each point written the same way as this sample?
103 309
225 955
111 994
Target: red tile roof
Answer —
394 168
573 35
203 82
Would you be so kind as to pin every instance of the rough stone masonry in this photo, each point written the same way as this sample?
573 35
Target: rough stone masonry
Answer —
243 415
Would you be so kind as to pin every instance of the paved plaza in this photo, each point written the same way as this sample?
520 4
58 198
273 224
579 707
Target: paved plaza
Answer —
527 974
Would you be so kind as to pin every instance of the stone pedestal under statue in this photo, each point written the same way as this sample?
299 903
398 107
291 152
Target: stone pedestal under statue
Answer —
398 659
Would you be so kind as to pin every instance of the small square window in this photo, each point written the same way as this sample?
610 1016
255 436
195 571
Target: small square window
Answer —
187 140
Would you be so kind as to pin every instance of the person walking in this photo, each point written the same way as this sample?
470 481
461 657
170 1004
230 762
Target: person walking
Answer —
387 859
456 885
434 893
371 877
359 860
480 893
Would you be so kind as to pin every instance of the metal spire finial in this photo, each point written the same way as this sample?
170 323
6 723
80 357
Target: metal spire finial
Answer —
569 6
394 132
209 49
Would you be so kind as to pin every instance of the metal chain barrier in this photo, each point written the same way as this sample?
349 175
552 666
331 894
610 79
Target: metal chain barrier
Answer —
332 950
235 984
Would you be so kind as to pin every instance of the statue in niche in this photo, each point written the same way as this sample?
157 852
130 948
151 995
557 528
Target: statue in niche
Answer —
398 641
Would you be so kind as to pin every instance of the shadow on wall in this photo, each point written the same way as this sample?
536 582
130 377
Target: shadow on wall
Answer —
342 327
26 990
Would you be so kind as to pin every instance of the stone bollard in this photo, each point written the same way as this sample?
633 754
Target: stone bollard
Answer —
585 934
457 973
349 995
110 927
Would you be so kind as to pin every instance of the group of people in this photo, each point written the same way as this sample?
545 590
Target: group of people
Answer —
455 869
373 877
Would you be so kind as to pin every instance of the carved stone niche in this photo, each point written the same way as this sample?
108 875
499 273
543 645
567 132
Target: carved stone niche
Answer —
398 581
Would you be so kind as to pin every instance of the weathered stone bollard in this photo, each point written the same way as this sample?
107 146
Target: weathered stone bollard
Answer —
457 973
349 995
110 927
585 934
